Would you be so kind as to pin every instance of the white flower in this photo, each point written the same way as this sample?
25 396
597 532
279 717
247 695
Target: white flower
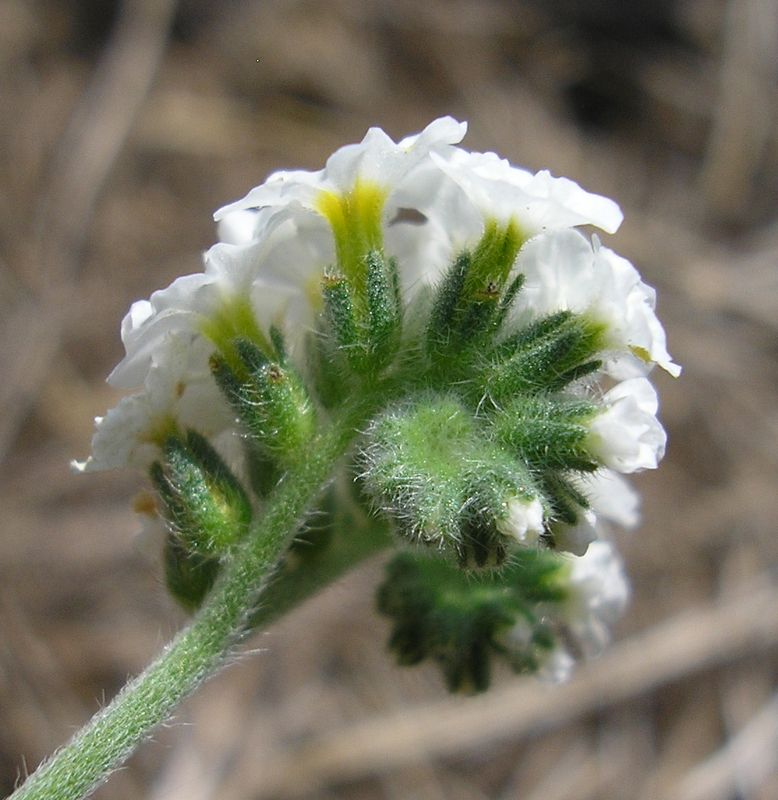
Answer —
523 521
598 594
563 271
497 190
243 290
239 227
627 436
576 538
611 499
179 392
554 664
376 160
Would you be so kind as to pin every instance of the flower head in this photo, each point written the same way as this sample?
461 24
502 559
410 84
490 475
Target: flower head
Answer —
490 362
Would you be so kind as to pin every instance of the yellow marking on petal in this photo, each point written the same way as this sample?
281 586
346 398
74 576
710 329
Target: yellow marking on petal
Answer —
641 353
234 320
355 218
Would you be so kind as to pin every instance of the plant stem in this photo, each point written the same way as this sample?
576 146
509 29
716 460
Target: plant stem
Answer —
200 648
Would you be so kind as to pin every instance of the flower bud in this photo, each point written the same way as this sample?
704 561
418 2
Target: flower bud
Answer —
188 575
523 520
464 622
204 503
430 466
550 433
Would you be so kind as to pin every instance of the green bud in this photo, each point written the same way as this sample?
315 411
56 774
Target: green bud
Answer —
471 302
414 459
545 356
431 466
365 329
204 503
462 621
188 575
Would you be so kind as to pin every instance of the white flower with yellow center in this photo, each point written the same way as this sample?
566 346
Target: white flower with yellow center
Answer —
243 290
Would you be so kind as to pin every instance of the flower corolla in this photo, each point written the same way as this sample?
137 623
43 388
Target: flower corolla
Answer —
627 436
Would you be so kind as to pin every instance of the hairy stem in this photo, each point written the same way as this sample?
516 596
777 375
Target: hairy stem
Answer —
199 649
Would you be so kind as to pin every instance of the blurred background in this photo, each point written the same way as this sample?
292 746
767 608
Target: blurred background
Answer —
123 125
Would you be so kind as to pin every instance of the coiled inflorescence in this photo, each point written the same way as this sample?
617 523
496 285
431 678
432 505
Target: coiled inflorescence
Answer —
500 359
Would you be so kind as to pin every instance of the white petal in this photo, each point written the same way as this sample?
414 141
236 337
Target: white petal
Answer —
599 592
523 521
627 436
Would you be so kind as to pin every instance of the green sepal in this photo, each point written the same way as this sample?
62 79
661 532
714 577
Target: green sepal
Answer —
545 356
493 257
204 503
506 301
330 375
366 330
547 431
279 345
270 399
384 310
565 501
189 576
472 302
342 321
445 303
462 621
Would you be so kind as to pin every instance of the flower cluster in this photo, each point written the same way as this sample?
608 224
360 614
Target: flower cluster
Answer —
505 354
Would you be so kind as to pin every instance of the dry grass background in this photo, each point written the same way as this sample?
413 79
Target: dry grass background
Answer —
123 125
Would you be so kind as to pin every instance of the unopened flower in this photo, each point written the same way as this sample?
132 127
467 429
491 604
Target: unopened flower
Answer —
523 521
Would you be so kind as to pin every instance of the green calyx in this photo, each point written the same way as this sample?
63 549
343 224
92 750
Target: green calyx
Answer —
206 507
464 622
472 300
544 356
364 321
548 432
189 575
269 398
